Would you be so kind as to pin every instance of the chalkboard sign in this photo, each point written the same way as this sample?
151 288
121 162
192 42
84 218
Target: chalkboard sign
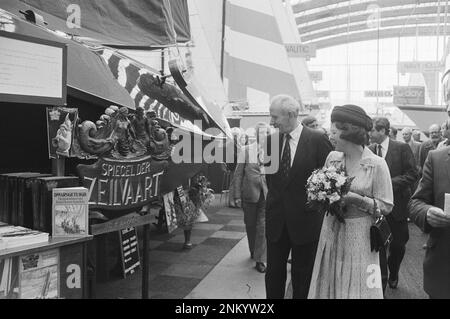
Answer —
130 251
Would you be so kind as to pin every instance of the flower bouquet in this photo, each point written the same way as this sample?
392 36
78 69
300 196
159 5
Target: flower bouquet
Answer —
199 197
200 193
325 189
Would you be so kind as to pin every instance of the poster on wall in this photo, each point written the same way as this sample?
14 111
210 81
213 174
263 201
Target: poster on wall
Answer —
39 275
61 124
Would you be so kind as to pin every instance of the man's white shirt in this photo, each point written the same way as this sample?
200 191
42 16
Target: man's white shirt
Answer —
293 142
384 147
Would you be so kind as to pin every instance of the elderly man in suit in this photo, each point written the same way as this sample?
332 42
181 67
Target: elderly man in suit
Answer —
431 144
427 212
404 174
290 227
251 190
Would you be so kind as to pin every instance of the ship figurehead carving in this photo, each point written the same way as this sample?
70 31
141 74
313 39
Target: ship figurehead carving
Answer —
133 152
120 135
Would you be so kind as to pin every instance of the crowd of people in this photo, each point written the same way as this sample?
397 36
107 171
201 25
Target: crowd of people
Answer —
406 181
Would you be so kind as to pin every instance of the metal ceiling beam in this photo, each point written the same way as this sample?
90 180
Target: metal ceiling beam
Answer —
400 22
328 12
317 4
364 17
384 34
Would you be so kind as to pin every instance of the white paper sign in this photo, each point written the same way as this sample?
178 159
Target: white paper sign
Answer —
30 69
447 204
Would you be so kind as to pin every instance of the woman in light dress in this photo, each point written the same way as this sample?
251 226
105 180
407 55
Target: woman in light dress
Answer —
345 267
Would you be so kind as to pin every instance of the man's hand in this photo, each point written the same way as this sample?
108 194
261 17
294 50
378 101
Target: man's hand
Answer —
437 218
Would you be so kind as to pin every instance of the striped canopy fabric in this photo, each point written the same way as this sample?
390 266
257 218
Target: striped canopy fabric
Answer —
145 88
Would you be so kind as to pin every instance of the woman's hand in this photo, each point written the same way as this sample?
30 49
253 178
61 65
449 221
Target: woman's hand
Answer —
352 198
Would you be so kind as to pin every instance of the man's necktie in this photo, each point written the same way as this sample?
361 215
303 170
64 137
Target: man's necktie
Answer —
379 153
286 159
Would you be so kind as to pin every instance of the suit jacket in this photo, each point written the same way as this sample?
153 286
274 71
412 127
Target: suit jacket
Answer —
404 175
431 191
249 177
415 148
425 148
286 200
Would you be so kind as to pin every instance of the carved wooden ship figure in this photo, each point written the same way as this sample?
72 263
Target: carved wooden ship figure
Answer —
121 135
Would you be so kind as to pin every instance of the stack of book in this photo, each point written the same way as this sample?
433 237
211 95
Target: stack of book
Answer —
26 198
17 236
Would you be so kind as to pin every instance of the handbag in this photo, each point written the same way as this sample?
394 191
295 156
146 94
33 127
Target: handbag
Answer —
380 233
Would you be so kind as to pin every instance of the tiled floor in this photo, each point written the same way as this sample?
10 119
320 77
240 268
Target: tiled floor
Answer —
175 272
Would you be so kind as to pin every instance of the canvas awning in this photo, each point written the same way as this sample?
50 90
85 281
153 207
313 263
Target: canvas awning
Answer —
97 75
118 23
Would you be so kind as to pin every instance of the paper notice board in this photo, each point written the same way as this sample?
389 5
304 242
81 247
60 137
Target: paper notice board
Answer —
32 70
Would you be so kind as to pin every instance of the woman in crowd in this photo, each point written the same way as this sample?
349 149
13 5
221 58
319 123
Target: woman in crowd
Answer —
237 133
345 267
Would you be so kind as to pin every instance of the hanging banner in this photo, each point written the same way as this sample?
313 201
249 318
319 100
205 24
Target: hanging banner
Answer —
409 95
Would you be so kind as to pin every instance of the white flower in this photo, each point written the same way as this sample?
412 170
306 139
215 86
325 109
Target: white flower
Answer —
334 198
322 196
340 181
327 185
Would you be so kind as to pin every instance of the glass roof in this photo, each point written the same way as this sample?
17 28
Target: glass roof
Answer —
332 22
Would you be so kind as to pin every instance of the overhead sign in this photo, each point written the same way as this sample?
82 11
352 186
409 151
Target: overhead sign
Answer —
323 94
420 67
378 93
316 76
296 50
409 95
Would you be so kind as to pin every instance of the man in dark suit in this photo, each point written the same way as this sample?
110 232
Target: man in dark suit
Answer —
289 226
427 211
404 174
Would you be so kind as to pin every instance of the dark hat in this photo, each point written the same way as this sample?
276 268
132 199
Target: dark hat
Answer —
352 114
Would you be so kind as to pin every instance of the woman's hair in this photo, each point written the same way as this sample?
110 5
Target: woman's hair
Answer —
352 133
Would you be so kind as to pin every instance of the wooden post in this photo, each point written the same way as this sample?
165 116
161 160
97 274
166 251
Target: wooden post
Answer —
145 267
58 167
